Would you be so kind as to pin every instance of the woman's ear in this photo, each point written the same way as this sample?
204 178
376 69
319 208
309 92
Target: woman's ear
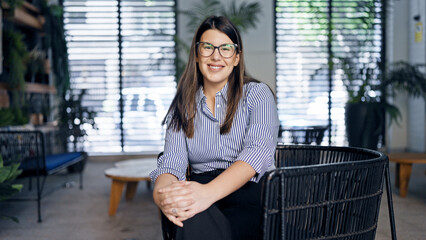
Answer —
237 60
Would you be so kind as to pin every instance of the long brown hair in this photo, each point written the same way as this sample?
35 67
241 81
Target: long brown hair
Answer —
183 107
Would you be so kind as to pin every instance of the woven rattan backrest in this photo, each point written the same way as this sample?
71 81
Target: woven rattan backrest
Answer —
323 193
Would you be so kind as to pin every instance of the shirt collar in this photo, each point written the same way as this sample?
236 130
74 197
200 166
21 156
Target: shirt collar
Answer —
201 97
224 92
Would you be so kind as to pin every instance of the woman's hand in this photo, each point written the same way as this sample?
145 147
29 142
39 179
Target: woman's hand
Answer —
197 195
181 200
173 199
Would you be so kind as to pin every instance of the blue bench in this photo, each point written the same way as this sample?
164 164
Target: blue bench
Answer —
28 148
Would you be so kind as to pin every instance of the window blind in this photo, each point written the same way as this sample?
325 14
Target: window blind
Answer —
123 54
313 41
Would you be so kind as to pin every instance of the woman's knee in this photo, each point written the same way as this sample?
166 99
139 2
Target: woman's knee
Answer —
209 224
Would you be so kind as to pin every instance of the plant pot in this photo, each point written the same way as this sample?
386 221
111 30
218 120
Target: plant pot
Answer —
364 123
4 99
36 118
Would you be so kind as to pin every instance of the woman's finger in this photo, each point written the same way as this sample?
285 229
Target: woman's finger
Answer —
181 206
174 220
178 208
185 215
171 188
176 185
175 197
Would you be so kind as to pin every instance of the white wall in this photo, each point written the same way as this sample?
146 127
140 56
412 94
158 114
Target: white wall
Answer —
397 50
258 43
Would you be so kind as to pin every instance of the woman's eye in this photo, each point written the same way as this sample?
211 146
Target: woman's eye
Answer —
226 48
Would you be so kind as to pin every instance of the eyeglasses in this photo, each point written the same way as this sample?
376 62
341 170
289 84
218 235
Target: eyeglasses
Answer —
226 50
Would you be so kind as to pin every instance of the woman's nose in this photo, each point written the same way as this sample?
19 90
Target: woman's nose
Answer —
216 54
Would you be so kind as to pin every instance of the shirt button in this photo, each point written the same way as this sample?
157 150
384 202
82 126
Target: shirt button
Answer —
218 106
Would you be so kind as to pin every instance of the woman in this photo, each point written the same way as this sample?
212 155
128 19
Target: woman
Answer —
224 125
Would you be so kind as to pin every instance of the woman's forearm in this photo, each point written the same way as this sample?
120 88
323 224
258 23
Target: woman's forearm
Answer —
162 181
233 178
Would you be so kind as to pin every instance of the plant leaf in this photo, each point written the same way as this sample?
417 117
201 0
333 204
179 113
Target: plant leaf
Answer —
17 186
394 114
15 219
4 173
6 191
407 77
199 12
244 16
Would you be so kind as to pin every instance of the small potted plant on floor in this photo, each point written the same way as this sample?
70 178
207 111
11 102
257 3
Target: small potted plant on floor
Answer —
7 189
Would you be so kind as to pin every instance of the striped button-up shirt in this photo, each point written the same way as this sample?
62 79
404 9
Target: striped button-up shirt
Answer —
252 139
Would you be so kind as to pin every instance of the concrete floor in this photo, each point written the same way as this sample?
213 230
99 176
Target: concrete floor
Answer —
71 213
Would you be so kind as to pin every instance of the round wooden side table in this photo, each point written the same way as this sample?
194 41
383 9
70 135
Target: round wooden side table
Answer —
128 174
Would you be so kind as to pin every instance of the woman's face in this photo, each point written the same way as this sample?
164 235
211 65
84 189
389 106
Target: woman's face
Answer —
215 68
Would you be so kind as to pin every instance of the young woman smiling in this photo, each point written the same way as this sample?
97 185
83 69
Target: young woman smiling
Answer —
224 125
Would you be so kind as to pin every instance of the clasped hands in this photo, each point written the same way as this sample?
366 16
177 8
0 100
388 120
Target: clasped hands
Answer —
181 200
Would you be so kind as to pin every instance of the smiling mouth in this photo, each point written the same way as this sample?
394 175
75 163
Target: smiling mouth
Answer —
215 67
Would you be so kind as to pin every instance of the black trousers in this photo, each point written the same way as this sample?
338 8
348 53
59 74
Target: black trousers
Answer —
237 216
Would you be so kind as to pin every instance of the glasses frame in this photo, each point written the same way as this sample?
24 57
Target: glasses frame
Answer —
218 49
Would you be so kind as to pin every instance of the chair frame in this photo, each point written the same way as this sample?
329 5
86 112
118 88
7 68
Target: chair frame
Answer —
291 169
29 147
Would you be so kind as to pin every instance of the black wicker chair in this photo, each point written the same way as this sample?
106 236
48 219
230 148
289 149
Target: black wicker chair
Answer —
322 192
302 135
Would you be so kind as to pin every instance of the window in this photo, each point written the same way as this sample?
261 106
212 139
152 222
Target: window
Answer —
122 53
313 41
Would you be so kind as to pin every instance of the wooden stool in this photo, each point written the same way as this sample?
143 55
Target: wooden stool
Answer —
404 163
129 175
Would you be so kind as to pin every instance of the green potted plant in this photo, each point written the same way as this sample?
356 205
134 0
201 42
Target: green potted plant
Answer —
35 63
366 110
12 4
14 69
73 116
7 188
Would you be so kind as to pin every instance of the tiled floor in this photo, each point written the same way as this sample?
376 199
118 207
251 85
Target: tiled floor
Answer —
75 214
410 212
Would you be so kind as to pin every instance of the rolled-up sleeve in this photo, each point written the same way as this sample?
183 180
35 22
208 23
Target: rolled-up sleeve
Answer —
261 137
175 157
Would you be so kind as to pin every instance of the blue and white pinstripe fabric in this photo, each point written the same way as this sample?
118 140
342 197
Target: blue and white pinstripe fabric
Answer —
252 139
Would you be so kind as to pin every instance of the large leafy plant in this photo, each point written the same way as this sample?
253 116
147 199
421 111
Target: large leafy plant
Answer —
14 69
7 188
364 81
403 77
244 15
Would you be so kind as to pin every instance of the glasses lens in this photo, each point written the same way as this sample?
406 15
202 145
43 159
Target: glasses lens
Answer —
227 50
206 49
